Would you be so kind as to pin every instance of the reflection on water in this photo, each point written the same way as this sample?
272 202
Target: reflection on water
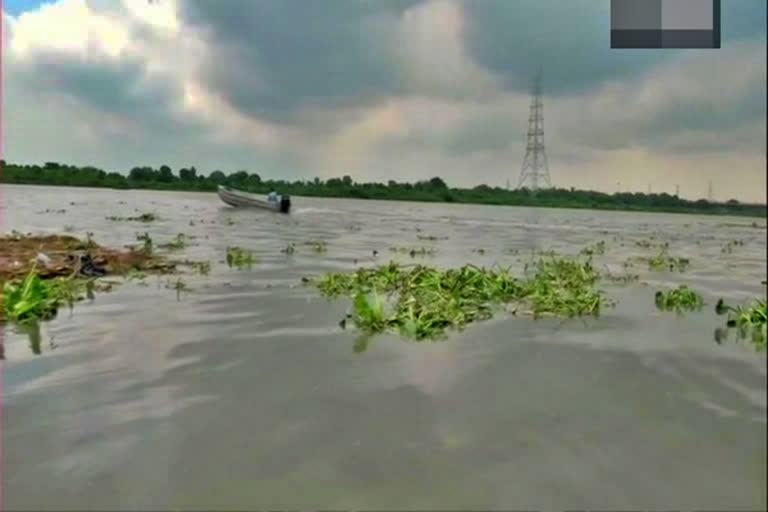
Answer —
240 390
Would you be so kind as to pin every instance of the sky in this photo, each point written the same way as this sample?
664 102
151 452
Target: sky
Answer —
383 90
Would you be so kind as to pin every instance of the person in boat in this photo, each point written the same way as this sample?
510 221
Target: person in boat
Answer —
272 197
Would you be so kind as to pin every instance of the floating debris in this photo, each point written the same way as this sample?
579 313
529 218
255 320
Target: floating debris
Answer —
431 238
750 321
663 261
178 243
727 248
33 298
143 217
239 257
318 246
413 251
422 302
679 300
591 250
179 285
67 255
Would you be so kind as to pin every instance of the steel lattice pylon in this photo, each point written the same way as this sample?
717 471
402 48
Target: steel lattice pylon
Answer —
535 168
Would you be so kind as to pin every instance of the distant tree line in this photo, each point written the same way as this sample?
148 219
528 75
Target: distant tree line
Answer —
434 190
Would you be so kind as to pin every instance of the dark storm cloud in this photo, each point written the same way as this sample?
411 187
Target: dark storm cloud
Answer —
109 85
273 59
571 40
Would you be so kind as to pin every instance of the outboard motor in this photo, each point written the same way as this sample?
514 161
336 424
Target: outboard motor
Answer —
285 204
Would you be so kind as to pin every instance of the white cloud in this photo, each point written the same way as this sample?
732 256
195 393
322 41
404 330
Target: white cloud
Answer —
67 26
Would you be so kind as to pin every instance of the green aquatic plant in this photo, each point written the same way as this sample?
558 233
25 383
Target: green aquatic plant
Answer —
750 320
89 243
178 285
135 275
422 302
564 287
543 253
597 248
650 243
202 267
414 251
679 300
727 248
142 217
176 244
369 312
33 298
624 277
663 261
319 246
147 242
239 257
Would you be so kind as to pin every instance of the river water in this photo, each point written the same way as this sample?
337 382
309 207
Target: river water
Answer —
244 393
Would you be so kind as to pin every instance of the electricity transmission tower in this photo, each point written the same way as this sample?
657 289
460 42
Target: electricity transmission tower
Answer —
535 168
710 195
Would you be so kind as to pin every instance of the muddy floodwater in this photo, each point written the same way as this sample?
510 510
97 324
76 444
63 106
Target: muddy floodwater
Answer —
244 392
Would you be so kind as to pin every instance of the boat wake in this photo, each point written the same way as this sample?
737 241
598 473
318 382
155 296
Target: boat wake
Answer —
303 211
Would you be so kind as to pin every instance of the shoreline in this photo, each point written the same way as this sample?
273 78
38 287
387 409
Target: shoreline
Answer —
724 211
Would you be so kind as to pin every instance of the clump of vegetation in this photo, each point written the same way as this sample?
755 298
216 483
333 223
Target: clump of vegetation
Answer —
147 242
136 275
65 255
591 250
30 299
663 261
624 277
431 238
239 257
749 320
422 302
679 300
179 285
89 243
564 287
33 298
648 244
179 242
202 267
414 251
142 217
727 248
479 251
289 249
319 246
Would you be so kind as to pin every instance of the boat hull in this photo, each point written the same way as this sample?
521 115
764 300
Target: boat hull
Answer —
240 199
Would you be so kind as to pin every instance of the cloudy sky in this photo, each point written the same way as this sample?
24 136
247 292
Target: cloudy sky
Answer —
383 89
